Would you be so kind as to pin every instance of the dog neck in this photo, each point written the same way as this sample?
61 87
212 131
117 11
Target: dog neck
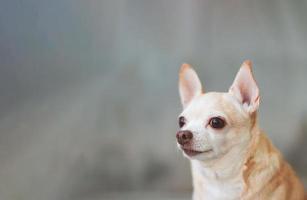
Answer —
226 173
227 167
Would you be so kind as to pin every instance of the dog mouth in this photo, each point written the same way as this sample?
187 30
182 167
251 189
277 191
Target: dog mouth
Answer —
192 152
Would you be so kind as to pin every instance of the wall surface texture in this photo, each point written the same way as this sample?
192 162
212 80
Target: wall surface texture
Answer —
89 99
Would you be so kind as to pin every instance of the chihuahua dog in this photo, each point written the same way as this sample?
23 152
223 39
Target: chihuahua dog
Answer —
231 158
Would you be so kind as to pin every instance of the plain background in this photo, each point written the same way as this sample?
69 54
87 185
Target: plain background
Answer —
89 99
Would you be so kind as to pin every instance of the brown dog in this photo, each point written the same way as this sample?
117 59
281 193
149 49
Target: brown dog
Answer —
231 157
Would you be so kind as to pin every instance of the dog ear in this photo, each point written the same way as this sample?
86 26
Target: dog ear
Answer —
245 88
189 84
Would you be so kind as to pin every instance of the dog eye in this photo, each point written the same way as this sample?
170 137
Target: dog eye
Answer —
181 121
217 123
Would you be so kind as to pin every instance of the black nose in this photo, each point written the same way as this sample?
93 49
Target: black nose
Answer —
184 137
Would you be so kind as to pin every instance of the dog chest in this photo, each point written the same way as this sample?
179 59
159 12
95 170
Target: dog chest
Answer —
220 190
208 185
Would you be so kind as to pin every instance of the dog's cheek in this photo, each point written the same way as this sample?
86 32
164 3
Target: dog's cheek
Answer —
218 142
235 138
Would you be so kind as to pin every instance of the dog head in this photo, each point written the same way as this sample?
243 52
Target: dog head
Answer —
213 124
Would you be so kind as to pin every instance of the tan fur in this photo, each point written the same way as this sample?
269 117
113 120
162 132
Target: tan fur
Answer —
266 175
243 163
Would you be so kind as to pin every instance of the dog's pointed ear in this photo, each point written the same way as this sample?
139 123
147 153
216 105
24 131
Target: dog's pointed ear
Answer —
189 84
245 88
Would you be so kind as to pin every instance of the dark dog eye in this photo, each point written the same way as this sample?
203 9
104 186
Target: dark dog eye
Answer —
217 123
181 121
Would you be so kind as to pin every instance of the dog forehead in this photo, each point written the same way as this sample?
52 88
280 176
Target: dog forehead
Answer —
208 100
204 104
214 102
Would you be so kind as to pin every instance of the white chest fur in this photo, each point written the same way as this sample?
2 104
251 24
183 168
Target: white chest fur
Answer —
210 184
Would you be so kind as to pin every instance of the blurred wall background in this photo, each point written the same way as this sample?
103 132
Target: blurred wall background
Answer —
89 99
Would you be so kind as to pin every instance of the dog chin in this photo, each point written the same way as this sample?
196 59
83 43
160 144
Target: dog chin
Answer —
201 156
198 155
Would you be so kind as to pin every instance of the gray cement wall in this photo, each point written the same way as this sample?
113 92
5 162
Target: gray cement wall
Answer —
89 98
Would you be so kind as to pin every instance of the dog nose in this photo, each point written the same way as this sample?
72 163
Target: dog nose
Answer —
184 137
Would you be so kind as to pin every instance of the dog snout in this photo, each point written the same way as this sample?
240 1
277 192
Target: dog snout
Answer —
183 137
